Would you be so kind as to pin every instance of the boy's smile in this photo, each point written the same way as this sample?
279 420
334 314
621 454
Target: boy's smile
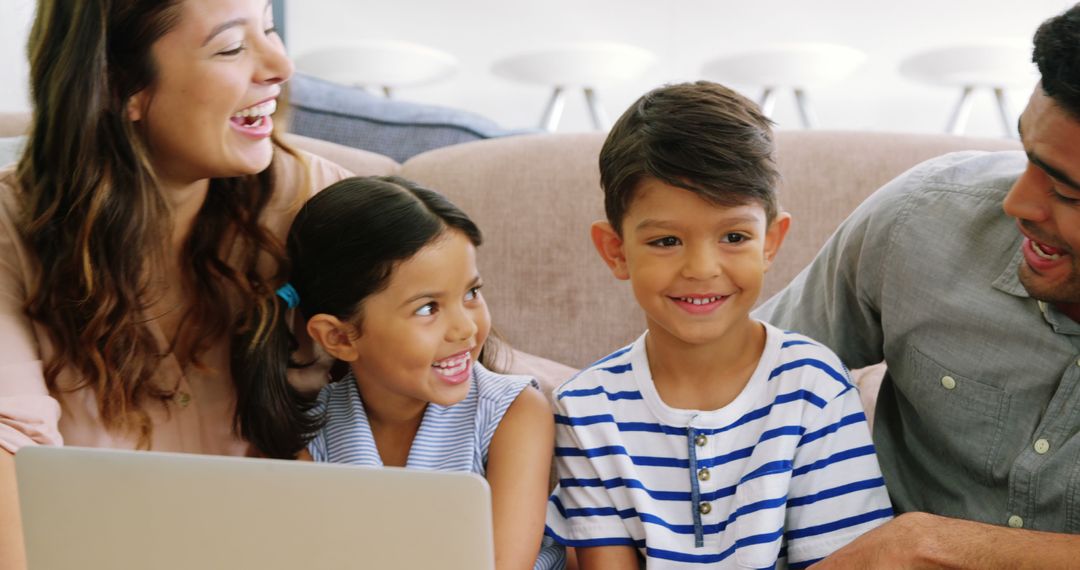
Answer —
696 267
700 304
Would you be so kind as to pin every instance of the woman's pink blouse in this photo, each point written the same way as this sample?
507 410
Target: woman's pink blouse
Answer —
198 418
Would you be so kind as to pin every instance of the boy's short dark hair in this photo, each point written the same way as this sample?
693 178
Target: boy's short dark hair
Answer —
1057 54
702 137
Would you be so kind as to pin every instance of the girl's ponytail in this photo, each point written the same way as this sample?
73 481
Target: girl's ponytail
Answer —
270 413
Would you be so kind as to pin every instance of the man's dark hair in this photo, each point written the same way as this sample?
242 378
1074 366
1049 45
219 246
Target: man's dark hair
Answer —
702 137
1057 53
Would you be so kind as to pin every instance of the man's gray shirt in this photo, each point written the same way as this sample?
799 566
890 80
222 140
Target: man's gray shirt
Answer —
979 413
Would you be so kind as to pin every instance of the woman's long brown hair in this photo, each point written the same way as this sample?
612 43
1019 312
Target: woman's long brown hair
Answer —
96 222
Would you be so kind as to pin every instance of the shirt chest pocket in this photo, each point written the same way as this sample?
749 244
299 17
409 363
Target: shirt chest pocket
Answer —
759 526
963 417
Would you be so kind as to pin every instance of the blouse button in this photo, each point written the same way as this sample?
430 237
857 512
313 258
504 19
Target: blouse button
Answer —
703 474
700 440
948 382
704 508
183 398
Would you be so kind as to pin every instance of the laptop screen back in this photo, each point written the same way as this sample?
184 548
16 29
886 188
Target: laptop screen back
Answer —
104 509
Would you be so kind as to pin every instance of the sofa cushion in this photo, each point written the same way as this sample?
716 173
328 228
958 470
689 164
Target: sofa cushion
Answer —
398 129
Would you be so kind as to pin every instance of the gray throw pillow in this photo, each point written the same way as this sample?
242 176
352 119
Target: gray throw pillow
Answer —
399 129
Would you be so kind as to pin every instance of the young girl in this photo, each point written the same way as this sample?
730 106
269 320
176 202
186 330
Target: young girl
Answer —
384 272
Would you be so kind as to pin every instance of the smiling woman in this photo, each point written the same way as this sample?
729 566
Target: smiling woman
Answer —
142 226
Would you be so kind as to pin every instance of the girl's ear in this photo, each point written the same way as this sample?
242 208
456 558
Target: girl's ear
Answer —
135 106
338 339
609 245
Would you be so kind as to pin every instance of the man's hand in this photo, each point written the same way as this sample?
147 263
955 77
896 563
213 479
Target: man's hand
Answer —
921 540
895 544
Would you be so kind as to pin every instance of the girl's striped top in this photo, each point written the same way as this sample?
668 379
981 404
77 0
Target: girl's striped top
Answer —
450 438
780 477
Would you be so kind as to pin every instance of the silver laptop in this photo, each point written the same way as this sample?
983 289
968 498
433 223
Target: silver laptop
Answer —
102 509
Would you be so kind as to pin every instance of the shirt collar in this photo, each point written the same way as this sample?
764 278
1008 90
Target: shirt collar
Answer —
1009 282
1061 323
1009 279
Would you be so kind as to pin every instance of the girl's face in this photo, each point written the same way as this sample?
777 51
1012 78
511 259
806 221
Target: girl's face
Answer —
219 73
420 335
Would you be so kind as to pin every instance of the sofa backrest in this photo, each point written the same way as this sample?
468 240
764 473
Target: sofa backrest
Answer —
359 162
535 197
13 124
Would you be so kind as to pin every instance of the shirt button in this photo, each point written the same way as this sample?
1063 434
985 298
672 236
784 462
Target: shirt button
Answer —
703 474
1016 522
704 508
1042 446
183 398
948 382
700 440
1078 361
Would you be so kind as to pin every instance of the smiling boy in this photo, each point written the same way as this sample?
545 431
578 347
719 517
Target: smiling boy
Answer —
714 438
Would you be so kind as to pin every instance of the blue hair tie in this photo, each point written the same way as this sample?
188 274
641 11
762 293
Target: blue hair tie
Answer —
289 294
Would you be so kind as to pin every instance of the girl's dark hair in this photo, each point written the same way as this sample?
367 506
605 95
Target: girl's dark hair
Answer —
342 247
95 218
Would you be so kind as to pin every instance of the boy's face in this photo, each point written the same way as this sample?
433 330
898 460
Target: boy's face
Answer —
696 268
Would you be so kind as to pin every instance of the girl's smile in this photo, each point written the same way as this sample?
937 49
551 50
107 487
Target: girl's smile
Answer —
454 369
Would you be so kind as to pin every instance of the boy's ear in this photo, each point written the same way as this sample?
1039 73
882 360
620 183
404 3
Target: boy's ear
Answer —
338 339
610 246
774 236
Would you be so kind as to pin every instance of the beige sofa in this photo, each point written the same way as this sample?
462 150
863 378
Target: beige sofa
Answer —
534 197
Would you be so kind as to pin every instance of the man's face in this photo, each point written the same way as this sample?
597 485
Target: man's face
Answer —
1045 201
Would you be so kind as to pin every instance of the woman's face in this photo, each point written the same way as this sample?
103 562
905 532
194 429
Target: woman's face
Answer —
219 73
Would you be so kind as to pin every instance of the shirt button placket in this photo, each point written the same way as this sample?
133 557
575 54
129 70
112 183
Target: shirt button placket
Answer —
694 442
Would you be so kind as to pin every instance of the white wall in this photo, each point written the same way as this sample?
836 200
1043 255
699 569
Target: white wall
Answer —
684 34
15 17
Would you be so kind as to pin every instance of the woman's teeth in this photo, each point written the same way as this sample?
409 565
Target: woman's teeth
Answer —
259 110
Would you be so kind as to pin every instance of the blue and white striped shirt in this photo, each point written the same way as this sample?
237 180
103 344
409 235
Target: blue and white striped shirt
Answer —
450 438
782 476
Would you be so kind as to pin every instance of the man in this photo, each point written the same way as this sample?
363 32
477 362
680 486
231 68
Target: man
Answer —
963 275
